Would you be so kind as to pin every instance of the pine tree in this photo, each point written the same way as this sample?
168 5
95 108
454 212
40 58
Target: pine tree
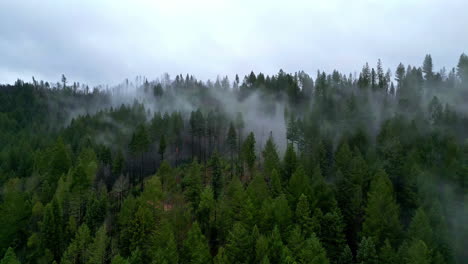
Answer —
217 180
232 144
400 75
387 254
331 233
322 195
261 248
248 151
366 253
141 225
299 184
346 256
312 252
118 164
303 215
205 211
77 251
417 253
52 229
427 68
221 257
15 210
10 257
258 190
289 163
195 247
462 69
164 245
275 184
271 159
420 228
98 248
382 212
119 260
239 247
343 158
193 185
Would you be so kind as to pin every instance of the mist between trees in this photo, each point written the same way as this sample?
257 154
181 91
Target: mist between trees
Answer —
286 168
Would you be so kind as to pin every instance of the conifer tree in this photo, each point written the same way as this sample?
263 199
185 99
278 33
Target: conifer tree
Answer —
10 257
382 212
195 247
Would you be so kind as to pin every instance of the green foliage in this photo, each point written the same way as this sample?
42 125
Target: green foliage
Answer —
417 253
193 185
98 248
303 215
15 209
248 151
10 257
78 250
346 257
52 229
366 253
119 260
271 159
299 184
312 252
331 233
164 246
289 163
371 171
382 212
195 247
239 246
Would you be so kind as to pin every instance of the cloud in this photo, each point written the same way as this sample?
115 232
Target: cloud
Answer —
107 41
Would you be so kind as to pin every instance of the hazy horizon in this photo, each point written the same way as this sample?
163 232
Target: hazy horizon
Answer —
105 42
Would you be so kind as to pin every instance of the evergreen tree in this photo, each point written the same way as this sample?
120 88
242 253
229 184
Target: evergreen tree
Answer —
195 247
77 251
52 229
289 163
387 254
382 212
165 246
193 185
312 252
232 144
271 159
15 209
462 69
303 215
248 151
366 253
275 184
331 233
299 184
98 248
10 257
217 181
427 68
346 257
417 253
239 247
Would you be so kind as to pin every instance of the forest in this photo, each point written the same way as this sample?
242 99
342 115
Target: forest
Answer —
333 168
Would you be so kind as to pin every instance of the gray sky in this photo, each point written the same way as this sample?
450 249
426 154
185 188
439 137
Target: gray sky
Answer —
107 41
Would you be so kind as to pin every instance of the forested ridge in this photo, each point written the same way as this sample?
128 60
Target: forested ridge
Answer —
288 168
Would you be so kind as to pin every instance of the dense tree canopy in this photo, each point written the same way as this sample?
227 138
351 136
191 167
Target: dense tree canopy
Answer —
281 168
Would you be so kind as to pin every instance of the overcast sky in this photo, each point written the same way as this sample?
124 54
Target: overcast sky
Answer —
107 41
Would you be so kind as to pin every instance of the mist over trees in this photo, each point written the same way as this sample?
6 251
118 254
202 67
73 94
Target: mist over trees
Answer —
287 168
